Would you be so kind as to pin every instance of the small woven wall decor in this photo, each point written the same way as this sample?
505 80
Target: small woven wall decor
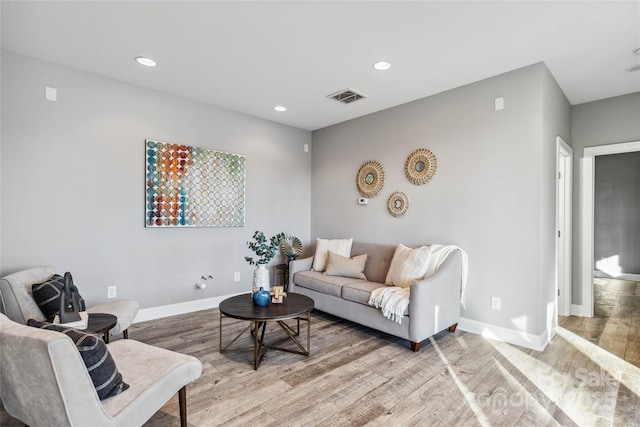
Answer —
370 178
420 166
398 203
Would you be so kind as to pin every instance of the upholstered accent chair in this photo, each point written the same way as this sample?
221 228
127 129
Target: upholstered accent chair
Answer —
44 382
18 303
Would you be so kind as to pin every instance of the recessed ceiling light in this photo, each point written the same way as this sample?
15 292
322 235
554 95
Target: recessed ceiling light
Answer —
280 108
382 65
147 62
633 68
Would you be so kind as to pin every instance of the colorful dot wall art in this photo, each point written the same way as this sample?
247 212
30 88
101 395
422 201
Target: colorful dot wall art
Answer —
193 187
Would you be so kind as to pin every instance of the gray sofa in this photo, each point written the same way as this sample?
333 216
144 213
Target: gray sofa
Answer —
434 303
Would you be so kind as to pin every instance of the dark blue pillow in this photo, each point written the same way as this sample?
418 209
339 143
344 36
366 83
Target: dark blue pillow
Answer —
96 357
47 296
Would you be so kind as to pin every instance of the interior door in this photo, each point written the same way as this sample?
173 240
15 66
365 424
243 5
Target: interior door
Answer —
563 222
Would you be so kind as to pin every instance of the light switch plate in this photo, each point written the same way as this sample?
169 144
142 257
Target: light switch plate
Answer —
51 93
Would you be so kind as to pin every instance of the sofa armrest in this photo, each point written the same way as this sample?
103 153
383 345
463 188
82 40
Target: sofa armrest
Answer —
303 264
435 301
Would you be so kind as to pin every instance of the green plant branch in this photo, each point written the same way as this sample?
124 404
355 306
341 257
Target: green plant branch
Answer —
264 249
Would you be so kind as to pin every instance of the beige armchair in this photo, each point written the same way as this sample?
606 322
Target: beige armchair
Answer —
44 382
18 303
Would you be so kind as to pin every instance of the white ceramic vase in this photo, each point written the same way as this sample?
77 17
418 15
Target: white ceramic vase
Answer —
261 278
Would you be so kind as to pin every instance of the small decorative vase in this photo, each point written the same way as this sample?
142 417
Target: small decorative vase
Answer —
261 278
261 298
69 301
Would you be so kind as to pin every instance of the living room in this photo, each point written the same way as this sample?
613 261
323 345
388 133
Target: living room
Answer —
73 167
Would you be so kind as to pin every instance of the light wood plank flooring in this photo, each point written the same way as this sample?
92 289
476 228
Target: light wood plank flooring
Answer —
356 376
615 325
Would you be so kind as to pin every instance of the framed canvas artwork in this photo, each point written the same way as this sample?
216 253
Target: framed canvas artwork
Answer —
193 187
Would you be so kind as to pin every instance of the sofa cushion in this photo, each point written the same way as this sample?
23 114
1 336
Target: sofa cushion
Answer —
95 355
407 265
360 292
323 246
319 282
379 258
338 265
154 374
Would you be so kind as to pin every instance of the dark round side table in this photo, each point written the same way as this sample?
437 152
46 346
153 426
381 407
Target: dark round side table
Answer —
101 323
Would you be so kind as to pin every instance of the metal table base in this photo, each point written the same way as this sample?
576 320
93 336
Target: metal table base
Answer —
257 329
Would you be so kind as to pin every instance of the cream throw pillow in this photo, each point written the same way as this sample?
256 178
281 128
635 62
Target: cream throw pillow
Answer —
407 266
339 246
338 265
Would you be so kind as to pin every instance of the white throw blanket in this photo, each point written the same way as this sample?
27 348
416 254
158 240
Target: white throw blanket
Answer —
393 300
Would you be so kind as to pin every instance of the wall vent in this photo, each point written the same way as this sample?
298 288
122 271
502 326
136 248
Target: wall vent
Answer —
347 96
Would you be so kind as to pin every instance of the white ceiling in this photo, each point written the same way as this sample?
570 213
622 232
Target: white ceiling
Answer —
251 56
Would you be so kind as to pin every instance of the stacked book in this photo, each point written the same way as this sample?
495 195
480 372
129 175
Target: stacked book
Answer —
78 324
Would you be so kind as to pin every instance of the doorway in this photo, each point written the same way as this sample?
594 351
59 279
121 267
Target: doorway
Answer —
587 179
563 226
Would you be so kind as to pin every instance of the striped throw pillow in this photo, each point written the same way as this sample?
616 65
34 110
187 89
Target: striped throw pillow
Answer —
407 266
47 296
96 357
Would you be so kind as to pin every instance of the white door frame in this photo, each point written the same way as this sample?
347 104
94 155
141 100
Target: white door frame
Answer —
564 189
587 184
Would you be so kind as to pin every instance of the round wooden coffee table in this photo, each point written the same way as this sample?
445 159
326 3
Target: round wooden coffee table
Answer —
295 306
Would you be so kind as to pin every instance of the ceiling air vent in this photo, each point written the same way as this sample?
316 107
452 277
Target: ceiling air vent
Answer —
347 96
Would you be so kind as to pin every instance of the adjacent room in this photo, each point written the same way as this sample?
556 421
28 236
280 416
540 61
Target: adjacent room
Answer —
319 213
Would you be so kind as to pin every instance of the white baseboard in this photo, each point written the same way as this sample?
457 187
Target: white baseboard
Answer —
180 308
511 336
576 310
623 276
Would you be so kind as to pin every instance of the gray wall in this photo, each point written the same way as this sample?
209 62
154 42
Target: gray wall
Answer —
1 56
73 184
492 194
617 210
604 122
556 121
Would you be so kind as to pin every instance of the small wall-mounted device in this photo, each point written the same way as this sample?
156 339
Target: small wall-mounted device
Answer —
50 93
201 284
363 201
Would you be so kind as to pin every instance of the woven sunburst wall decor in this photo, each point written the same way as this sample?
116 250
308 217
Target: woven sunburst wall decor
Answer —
420 166
370 178
398 203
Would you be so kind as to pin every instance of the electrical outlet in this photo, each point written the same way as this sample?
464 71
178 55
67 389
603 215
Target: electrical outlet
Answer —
112 292
236 276
495 303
